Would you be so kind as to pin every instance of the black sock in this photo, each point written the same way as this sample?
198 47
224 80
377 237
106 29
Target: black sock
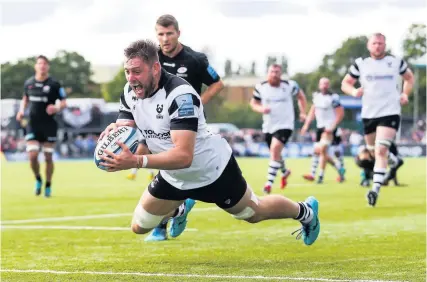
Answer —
38 178
163 224
179 210
47 183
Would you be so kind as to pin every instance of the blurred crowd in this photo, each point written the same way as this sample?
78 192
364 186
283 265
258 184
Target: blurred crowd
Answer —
83 145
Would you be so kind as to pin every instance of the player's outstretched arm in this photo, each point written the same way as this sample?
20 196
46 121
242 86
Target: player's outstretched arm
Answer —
179 157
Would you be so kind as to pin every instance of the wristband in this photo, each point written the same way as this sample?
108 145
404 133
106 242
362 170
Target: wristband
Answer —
144 161
141 161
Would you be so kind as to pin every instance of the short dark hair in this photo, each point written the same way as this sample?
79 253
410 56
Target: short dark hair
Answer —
378 34
168 20
276 66
144 49
43 58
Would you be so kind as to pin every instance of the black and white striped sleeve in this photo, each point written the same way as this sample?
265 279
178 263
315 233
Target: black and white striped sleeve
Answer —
403 66
125 111
336 100
183 109
256 93
354 70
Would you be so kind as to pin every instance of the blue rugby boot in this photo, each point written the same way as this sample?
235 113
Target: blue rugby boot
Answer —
179 223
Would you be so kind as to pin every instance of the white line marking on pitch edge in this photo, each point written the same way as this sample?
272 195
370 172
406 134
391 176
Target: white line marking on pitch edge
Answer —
108 215
64 227
189 275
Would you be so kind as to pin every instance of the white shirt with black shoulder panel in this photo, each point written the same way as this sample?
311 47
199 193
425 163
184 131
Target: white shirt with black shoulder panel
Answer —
324 105
280 101
177 106
380 81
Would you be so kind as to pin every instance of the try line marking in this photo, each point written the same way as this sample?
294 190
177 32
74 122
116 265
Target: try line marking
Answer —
188 275
82 217
71 227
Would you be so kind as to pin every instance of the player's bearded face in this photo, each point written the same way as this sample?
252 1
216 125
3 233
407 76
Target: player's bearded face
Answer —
140 77
273 75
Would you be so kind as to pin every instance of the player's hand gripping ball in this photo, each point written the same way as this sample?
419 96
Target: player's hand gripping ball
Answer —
125 134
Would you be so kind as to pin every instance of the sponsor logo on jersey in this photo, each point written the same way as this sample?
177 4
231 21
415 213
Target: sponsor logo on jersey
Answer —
169 64
379 77
185 105
148 134
159 110
182 70
46 89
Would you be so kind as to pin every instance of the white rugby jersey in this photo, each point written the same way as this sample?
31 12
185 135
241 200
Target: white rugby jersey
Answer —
324 105
280 101
380 82
177 106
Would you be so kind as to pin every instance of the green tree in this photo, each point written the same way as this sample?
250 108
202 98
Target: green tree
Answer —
414 47
284 64
70 68
112 90
253 69
270 60
228 68
414 43
74 72
13 77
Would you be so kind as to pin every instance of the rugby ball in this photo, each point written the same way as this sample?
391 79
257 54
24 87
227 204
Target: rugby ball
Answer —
125 134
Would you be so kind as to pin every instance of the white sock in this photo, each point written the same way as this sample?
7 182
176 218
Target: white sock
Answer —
134 171
378 179
314 164
272 171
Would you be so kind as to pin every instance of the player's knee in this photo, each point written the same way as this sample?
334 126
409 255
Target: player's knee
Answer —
253 219
381 147
138 230
143 221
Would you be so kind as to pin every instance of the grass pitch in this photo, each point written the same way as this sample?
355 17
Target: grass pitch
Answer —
82 232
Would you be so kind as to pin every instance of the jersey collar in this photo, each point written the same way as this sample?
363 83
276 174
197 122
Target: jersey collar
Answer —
162 82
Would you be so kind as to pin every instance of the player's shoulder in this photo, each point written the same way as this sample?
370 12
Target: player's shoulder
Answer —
261 84
198 58
361 60
53 81
172 83
29 80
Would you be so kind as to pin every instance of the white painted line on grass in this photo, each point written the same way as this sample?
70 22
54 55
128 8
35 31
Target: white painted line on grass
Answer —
82 217
259 277
70 227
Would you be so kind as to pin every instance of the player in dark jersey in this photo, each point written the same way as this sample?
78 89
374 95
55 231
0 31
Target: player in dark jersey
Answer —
194 67
41 92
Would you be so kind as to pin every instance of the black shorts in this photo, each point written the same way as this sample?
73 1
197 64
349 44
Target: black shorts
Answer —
225 192
370 124
336 139
282 135
42 133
